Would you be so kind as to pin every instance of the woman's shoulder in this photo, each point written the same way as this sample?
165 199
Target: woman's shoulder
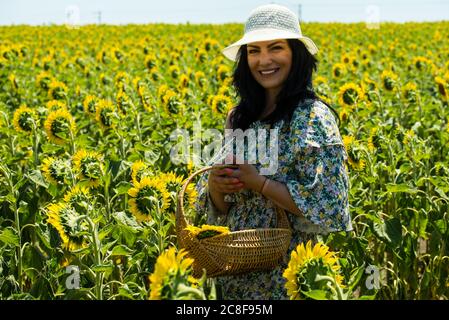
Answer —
314 121
313 109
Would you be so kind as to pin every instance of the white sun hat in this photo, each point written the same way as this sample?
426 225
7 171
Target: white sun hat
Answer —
270 22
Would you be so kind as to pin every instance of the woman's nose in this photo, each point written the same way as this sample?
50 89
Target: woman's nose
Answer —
265 58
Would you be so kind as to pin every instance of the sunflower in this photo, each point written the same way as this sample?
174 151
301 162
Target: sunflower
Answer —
78 198
183 81
55 170
121 79
59 125
344 114
145 196
374 140
174 71
105 79
145 99
12 78
354 153
88 165
54 105
349 94
209 44
442 87
124 103
150 62
306 263
161 91
221 104
226 88
23 119
170 101
43 80
338 70
320 80
138 171
137 83
90 105
389 79
173 184
105 114
65 220
223 72
200 78
57 90
170 270
421 63
201 55
207 231
410 92
154 74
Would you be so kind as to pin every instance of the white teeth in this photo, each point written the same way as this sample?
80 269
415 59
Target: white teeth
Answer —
268 72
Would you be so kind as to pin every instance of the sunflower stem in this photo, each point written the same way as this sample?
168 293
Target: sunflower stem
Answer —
35 145
139 130
97 253
19 248
13 202
10 137
72 143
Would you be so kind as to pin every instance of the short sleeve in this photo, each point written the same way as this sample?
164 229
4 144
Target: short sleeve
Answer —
318 181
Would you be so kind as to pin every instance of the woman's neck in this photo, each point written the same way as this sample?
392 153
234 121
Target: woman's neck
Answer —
270 101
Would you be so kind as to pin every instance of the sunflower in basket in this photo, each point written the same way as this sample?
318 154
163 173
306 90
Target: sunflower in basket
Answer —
207 231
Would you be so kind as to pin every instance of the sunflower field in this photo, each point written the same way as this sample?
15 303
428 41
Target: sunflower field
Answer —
88 187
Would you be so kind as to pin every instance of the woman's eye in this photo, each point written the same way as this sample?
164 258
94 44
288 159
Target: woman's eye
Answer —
252 51
277 48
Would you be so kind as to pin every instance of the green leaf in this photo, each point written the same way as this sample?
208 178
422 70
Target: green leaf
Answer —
400 188
7 236
122 187
316 294
121 250
122 218
103 268
368 297
36 177
389 232
356 275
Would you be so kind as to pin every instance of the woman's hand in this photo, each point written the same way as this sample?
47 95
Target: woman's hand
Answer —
222 181
250 177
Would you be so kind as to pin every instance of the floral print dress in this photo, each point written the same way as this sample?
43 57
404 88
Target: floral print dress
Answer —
312 164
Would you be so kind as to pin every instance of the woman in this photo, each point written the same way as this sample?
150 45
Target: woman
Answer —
273 79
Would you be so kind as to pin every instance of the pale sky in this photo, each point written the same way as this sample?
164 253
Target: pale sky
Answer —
40 12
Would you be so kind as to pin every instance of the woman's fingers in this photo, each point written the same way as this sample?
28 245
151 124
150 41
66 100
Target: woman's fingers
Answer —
230 188
222 172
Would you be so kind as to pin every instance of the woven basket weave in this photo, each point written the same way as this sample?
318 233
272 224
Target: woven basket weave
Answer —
236 252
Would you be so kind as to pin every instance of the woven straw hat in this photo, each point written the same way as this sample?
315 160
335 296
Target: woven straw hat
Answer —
270 22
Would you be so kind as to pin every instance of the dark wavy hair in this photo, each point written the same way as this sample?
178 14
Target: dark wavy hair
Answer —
297 87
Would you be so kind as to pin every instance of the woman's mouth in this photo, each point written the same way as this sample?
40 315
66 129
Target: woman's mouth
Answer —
268 72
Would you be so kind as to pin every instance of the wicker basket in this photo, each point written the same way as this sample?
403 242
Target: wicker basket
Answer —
236 252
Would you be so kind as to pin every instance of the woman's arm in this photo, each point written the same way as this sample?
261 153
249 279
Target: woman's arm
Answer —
279 194
221 182
273 190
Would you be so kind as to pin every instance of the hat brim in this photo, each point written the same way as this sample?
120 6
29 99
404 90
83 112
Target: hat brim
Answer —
231 52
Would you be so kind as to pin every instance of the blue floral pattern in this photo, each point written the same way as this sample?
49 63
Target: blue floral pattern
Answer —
312 164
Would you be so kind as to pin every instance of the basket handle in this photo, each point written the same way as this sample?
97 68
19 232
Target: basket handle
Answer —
181 222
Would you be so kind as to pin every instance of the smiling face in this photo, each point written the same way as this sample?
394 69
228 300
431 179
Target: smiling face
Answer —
270 62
